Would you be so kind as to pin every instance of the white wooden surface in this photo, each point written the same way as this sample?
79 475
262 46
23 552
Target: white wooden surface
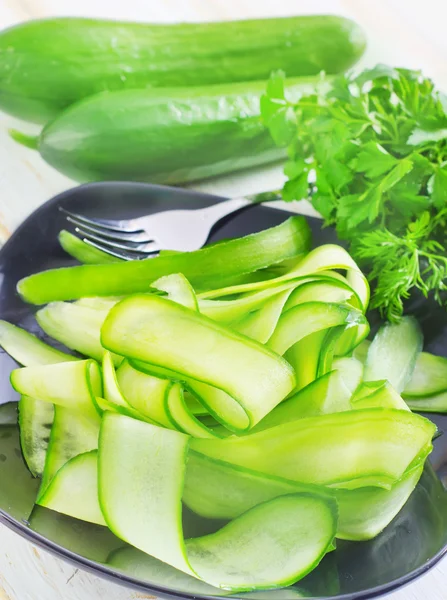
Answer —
401 32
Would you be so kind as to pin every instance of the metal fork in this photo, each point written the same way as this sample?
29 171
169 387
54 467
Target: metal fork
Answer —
183 230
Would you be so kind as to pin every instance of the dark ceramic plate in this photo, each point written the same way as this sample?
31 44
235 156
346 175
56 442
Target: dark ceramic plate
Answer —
410 545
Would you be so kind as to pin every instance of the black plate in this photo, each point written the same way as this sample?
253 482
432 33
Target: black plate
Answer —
410 545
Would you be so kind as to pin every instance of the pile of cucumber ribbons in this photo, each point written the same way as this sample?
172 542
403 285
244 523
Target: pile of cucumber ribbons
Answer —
236 380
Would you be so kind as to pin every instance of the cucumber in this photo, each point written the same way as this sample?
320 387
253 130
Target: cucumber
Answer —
429 376
363 513
272 544
320 449
47 65
74 489
35 421
393 353
82 251
162 135
162 332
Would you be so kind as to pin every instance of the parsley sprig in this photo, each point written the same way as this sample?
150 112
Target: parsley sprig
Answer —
370 151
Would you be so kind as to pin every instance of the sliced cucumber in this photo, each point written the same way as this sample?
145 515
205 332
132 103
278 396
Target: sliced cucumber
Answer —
72 433
179 413
377 394
305 319
346 449
73 491
429 376
73 385
361 351
430 404
27 349
260 325
325 395
271 545
351 371
164 333
393 353
112 390
363 512
82 251
35 421
76 326
304 356
320 291
178 289
144 393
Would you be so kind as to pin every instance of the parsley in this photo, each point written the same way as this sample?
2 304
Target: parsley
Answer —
370 151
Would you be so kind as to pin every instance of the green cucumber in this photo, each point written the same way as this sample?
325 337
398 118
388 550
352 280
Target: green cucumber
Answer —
72 433
429 376
393 353
73 385
73 491
304 319
179 413
27 349
273 544
161 332
203 268
178 289
351 371
35 421
304 357
75 325
82 251
377 394
363 512
46 65
144 393
320 449
430 404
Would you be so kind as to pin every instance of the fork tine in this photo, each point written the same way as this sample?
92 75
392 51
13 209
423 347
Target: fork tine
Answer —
110 234
140 248
112 225
109 251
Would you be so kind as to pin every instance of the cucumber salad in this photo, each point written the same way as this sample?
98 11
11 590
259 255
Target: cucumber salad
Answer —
240 381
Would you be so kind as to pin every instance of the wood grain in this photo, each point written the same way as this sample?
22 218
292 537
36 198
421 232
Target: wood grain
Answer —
410 33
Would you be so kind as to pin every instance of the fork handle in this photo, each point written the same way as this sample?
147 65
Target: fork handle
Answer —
214 213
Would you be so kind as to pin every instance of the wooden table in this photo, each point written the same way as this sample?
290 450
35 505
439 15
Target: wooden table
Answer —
401 32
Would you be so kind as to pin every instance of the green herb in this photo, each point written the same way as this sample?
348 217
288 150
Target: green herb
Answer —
372 156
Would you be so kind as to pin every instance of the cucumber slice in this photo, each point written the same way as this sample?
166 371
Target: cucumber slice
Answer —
346 449
430 404
184 420
351 371
393 353
304 357
83 252
319 261
161 332
144 393
74 489
363 513
72 433
35 421
193 404
325 395
361 351
112 391
76 326
377 394
261 324
99 303
27 349
178 289
320 291
205 478
429 376
73 385
304 319
273 544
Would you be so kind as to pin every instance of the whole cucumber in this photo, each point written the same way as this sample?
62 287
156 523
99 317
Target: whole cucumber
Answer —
163 135
47 65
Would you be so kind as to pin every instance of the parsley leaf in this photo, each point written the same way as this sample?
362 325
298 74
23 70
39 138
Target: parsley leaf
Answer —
370 151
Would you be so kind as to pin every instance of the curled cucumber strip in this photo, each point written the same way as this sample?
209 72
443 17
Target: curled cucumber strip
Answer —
141 475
